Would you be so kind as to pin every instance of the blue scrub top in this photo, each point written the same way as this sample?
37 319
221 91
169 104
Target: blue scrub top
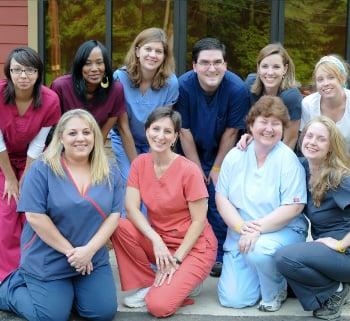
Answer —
78 218
208 120
139 105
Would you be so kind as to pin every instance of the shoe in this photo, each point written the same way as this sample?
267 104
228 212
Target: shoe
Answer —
275 304
196 291
216 270
136 300
331 309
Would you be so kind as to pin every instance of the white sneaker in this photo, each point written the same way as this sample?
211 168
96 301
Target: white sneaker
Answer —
136 300
275 304
196 291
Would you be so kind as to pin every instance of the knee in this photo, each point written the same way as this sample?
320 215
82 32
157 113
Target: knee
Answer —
100 312
159 307
286 261
57 314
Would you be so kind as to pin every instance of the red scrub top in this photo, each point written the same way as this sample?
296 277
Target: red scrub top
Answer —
167 197
19 131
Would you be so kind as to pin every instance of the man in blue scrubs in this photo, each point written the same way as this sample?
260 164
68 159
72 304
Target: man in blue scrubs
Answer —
213 103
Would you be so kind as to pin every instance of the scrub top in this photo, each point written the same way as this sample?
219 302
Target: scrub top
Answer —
291 97
113 106
332 218
140 105
256 192
208 119
78 217
19 130
167 197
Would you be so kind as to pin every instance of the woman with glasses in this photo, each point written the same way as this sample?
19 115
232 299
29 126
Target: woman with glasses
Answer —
27 112
90 86
149 82
275 76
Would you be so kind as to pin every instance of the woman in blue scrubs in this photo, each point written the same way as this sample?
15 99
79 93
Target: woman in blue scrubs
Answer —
72 199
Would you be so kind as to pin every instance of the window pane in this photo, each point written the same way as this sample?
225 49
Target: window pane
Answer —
314 29
130 17
242 25
69 23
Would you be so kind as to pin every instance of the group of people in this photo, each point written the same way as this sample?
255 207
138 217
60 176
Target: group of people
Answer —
179 203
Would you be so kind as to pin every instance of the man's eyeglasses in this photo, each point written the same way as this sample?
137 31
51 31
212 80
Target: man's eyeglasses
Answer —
206 64
28 71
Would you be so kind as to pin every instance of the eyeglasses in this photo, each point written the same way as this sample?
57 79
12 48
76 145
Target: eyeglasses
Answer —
28 71
206 64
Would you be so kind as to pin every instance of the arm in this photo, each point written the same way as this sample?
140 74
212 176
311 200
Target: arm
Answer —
11 188
107 127
126 136
290 136
189 148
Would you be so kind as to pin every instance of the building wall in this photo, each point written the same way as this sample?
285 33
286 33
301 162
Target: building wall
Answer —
13 27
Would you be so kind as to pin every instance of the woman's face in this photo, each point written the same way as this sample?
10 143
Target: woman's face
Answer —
151 55
315 145
94 68
23 77
327 84
161 135
271 71
267 131
77 139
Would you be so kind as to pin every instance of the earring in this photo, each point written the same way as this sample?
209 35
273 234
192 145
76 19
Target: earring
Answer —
105 83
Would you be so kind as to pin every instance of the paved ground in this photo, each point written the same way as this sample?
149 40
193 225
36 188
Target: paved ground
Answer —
207 308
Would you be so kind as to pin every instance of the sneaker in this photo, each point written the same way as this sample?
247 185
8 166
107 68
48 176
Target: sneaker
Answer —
275 304
196 291
216 270
331 309
136 300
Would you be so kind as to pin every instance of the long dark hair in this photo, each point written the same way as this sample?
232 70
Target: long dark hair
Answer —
27 57
82 54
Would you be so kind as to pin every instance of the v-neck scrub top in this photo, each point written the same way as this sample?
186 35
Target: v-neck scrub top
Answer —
167 197
78 217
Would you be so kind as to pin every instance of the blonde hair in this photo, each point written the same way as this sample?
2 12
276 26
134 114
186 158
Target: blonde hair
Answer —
288 80
333 65
335 166
98 160
132 62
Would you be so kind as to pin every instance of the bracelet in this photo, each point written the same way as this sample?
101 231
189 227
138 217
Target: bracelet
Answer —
215 169
177 260
340 247
238 227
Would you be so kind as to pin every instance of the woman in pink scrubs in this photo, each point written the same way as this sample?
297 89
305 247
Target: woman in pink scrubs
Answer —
27 112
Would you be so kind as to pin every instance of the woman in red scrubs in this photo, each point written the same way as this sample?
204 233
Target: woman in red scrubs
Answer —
27 112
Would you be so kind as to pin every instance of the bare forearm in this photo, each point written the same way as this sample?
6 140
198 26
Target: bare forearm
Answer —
290 135
48 232
228 212
126 137
107 127
5 165
189 147
228 140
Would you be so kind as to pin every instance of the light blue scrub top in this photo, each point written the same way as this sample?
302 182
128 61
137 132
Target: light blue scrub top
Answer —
139 105
255 192
78 218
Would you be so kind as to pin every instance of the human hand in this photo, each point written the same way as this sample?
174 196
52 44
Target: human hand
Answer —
213 176
329 241
86 269
244 141
250 227
167 275
164 259
247 242
11 189
79 257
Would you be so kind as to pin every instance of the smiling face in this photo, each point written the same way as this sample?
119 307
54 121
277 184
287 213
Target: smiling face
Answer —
94 69
161 135
316 143
151 55
77 139
267 131
23 77
327 84
271 71
210 68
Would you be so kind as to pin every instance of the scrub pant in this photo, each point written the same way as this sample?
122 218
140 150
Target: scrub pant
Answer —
11 223
93 296
124 163
134 254
313 270
246 278
217 223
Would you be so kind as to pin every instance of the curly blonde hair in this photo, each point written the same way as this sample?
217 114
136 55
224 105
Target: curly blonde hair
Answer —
336 164
133 65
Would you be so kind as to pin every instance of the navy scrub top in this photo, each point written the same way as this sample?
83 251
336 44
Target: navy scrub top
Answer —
78 217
